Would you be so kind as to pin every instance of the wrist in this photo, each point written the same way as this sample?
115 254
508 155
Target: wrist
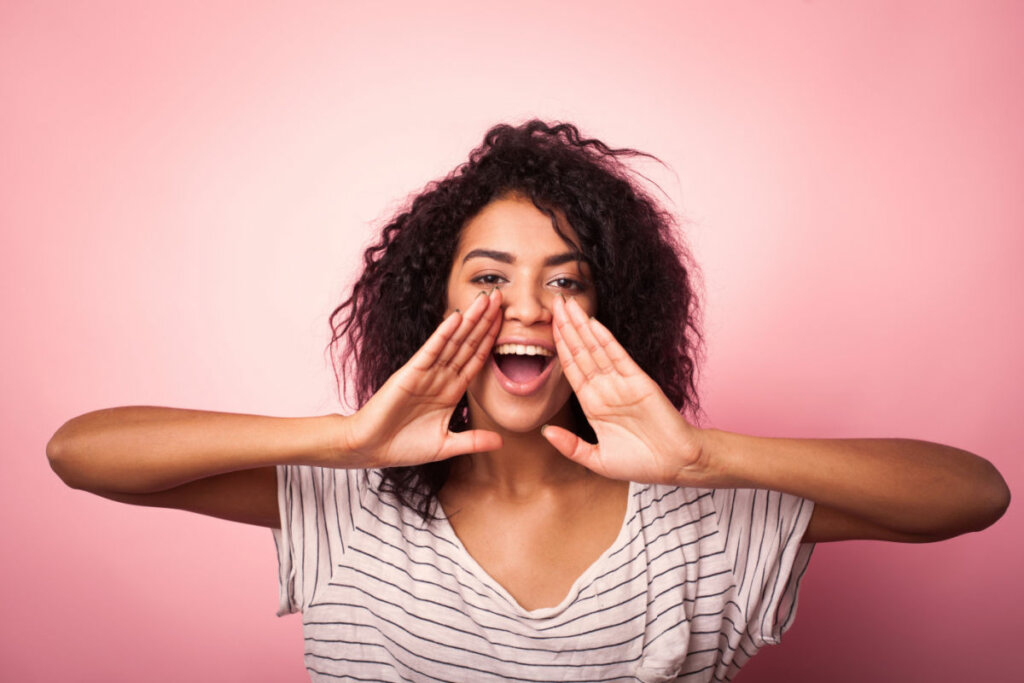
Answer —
327 440
343 445
709 468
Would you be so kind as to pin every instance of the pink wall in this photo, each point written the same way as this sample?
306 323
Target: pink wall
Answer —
183 194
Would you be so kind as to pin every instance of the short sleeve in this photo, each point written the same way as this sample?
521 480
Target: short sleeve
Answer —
316 507
762 533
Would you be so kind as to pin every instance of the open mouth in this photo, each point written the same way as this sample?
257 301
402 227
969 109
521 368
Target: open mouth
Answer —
523 366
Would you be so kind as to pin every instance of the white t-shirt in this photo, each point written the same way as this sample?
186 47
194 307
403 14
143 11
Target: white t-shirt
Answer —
696 581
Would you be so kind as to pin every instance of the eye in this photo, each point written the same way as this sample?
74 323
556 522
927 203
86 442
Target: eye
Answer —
568 284
489 280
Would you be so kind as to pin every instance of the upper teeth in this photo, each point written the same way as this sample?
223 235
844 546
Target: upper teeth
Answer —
521 350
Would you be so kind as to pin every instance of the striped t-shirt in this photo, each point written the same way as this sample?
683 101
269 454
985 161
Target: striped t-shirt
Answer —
696 581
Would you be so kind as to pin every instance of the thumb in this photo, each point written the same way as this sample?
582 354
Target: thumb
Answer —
569 445
473 441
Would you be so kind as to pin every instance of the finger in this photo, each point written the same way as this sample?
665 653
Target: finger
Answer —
618 355
480 335
483 351
582 322
581 356
432 348
473 441
569 367
570 445
469 320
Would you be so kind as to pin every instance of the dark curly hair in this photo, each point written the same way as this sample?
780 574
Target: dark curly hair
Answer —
642 273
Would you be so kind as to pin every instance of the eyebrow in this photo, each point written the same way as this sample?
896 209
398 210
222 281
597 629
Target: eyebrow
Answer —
505 257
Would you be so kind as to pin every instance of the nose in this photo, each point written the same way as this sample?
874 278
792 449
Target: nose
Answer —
526 304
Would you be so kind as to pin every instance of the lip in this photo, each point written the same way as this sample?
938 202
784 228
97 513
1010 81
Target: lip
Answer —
534 385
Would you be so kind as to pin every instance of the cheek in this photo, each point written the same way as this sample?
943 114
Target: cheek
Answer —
459 293
460 300
453 300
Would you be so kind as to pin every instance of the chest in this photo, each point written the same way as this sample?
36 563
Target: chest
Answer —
406 601
537 549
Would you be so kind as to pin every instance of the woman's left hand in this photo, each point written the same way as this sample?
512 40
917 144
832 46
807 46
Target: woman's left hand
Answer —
640 435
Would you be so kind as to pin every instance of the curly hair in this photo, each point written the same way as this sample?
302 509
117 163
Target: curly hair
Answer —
642 273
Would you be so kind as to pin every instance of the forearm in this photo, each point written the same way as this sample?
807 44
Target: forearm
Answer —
147 449
911 487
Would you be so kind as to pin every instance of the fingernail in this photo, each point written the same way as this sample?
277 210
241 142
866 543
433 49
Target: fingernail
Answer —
480 293
458 310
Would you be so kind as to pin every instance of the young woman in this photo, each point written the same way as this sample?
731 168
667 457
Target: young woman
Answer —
519 495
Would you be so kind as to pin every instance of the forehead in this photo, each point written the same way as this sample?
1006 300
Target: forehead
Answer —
514 223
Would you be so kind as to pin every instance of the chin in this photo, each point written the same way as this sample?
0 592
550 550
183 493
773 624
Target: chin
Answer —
524 425
492 409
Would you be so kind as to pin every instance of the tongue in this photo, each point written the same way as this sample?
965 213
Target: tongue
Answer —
521 369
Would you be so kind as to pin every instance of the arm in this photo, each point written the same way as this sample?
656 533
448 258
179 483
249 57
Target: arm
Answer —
885 489
141 450
218 464
222 464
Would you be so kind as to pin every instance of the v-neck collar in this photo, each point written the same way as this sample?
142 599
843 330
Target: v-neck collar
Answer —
470 564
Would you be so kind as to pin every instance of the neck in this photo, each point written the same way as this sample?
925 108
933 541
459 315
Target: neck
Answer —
525 464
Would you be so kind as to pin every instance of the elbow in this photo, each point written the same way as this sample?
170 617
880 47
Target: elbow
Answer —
995 502
989 502
984 498
61 454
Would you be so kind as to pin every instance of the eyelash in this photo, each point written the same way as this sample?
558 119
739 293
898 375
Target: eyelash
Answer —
488 280
574 285
492 280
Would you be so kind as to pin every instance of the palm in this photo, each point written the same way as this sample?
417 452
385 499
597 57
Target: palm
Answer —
640 435
406 421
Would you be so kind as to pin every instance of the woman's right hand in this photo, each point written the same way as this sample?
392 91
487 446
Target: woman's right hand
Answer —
406 421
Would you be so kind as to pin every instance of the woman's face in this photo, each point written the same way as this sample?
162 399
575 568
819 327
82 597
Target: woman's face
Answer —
511 245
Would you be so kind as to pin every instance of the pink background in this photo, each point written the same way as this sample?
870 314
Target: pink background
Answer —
185 188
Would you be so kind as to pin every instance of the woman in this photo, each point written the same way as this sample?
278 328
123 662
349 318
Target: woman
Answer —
519 495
